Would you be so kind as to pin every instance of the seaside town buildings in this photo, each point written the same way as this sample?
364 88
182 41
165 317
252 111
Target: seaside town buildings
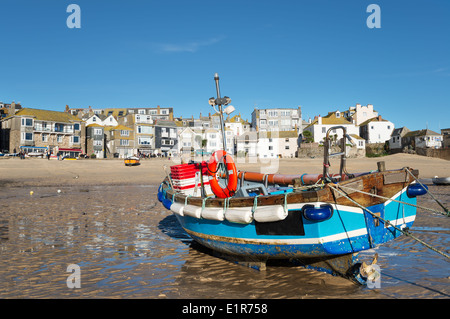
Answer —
155 131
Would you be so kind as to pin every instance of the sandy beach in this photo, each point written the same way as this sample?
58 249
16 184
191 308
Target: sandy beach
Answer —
42 172
105 218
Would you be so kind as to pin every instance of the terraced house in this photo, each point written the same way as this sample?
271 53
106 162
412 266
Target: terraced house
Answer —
36 131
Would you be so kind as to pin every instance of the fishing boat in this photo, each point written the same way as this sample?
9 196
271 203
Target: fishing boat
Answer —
441 180
321 221
131 161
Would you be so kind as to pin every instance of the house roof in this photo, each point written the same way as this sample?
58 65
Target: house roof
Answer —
44 115
356 137
421 133
118 127
165 123
400 131
373 119
331 119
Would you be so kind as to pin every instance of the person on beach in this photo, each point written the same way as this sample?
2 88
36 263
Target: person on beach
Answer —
48 155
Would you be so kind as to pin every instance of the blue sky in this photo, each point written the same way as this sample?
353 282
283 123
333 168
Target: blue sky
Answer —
317 54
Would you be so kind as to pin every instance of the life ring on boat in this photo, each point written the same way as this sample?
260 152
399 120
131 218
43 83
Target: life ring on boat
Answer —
231 186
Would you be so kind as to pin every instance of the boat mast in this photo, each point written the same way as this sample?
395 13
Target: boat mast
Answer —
219 102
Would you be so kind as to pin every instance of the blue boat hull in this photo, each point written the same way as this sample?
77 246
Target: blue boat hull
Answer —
348 230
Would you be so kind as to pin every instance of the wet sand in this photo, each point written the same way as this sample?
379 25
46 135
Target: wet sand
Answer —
107 220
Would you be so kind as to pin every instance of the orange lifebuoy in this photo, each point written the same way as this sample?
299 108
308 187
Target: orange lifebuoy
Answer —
231 186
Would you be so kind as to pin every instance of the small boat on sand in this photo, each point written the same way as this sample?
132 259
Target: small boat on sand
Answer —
132 161
320 221
441 180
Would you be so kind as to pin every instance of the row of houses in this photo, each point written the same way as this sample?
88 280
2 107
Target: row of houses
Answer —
121 132
132 131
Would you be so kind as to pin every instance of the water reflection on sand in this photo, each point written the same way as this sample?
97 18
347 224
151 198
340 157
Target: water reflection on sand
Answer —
128 246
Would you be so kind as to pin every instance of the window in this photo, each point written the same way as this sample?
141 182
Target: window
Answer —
286 147
94 119
324 130
76 126
44 137
59 138
98 142
389 127
27 136
75 139
270 148
124 133
98 131
124 142
27 122
144 141
120 113
167 142
141 111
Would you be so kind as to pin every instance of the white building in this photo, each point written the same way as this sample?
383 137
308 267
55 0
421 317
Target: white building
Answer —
395 142
277 119
360 113
320 126
423 139
237 125
376 130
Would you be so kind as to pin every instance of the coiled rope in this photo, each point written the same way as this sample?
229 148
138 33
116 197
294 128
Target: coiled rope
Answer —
336 187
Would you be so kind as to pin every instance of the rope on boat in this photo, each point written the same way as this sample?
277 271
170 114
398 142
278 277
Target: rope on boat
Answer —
406 233
391 199
432 196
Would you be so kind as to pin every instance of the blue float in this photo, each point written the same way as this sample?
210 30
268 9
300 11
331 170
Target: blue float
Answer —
160 193
414 190
167 203
317 214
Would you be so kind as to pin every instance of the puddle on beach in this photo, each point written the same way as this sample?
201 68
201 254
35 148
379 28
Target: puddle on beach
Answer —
128 246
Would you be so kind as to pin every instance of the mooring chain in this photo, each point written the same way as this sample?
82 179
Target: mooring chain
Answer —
407 233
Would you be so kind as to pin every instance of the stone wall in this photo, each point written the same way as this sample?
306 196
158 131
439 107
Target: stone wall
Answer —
443 153
312 150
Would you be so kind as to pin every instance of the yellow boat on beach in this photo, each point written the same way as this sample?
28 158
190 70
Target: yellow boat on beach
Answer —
131 161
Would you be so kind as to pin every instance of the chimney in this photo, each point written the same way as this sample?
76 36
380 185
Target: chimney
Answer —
12 108
379 118
319 120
